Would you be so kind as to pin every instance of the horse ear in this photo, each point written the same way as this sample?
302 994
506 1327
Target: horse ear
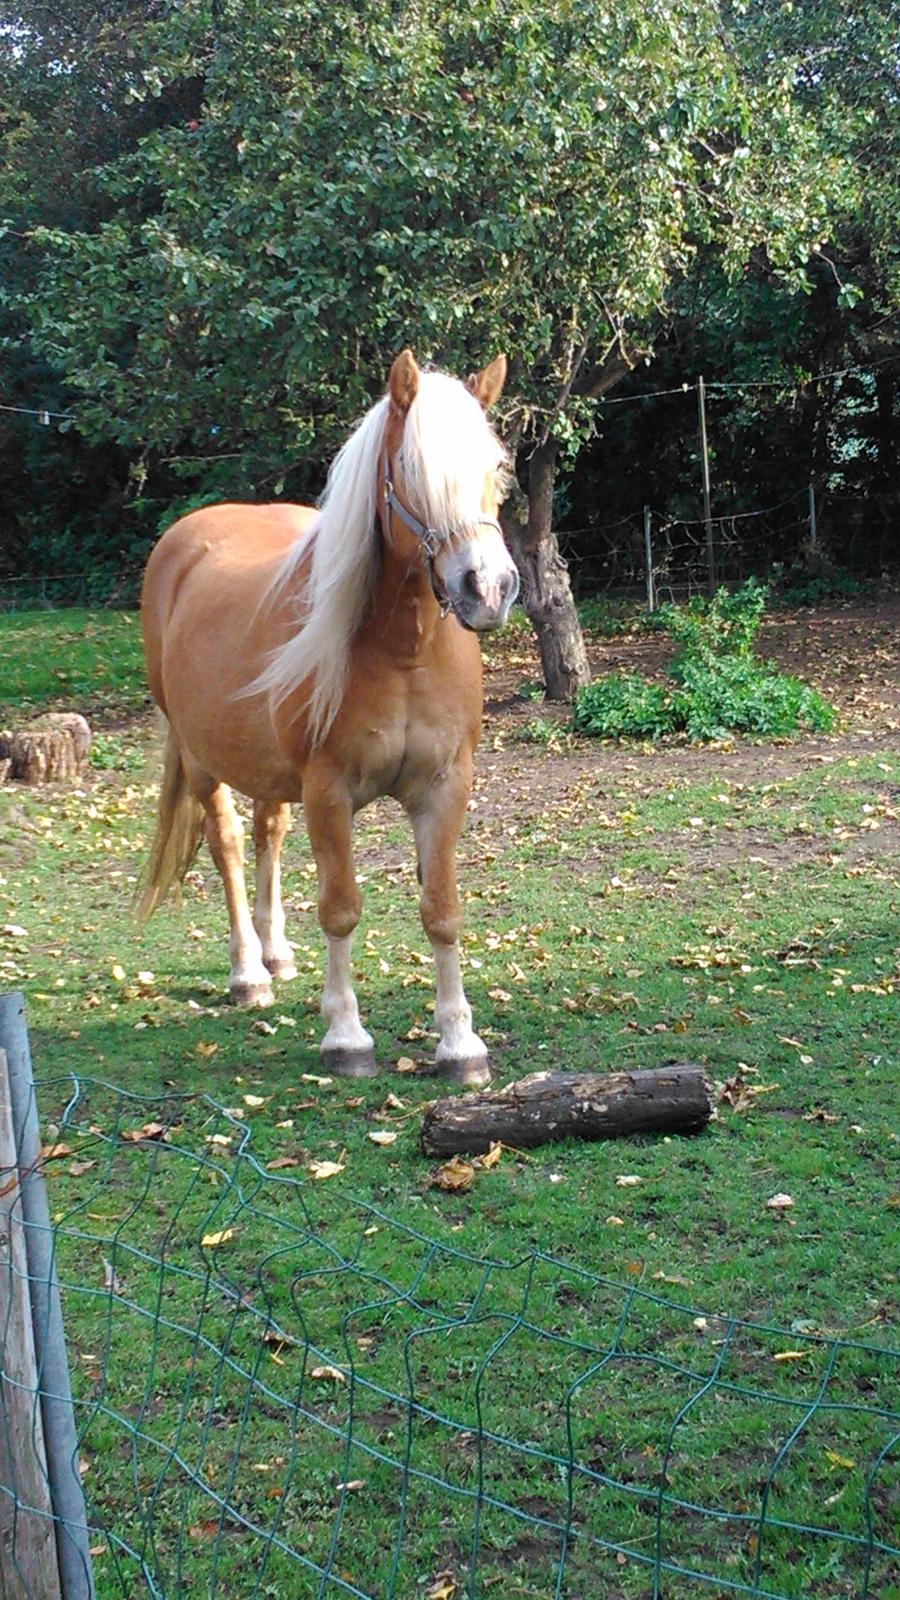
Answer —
403 383
486 385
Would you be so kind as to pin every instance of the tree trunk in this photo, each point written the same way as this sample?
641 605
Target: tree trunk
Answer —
570 1105
546 591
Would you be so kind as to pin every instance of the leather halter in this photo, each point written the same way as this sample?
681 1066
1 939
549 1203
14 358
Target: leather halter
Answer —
430 539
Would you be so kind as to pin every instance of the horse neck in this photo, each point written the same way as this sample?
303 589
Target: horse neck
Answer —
404 614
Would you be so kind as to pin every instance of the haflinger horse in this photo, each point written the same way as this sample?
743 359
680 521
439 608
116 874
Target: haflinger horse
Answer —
331 656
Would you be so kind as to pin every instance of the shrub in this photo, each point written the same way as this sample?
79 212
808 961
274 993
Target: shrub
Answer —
708 630
809 580
622 707
720 686
736 694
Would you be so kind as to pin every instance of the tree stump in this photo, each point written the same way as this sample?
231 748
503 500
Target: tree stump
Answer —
570 1105
52 749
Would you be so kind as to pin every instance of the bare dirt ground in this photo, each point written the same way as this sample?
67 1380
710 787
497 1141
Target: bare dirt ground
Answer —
850 653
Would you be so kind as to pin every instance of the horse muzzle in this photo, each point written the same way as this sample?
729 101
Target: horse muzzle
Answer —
481 583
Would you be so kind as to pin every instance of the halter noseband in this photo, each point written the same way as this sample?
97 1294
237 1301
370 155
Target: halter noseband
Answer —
430 539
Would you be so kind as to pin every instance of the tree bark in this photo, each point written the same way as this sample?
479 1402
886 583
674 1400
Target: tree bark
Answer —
546 591
570 1105
53 749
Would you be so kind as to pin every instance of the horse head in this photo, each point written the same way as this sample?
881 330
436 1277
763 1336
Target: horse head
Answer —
443 477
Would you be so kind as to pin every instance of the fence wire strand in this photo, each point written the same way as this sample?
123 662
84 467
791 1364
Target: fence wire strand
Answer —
285 1390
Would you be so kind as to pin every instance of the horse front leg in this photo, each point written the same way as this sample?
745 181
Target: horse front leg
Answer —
461 1056
271 821
347 1049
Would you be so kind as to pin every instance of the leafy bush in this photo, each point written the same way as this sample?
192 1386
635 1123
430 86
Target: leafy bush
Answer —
809 582
736 694
622 707
709 630
609 616
720 686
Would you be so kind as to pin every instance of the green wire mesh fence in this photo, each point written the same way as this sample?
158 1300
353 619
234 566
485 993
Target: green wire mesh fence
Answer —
281 1391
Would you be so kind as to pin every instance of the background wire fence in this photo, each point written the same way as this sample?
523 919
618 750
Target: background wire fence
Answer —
281 1390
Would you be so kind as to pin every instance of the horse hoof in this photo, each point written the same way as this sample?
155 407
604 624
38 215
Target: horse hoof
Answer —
472 1072
282 970
349 1063
251 994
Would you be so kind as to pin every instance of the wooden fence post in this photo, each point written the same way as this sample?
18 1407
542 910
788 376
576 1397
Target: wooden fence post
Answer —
707 501
28 1566
69 1524
648 561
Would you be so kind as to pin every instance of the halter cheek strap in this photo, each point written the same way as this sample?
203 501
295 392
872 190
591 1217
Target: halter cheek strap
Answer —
430 539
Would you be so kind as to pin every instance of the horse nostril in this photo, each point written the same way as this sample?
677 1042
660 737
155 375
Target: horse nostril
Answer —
472 583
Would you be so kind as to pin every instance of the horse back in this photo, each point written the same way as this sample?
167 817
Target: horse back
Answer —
211 567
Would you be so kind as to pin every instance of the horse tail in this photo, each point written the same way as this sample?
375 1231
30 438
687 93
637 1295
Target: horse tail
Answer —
179 831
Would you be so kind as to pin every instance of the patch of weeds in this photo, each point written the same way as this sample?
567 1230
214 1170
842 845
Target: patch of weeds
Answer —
530 689
623 706
607 616
721 687
111 752
541 730
812 579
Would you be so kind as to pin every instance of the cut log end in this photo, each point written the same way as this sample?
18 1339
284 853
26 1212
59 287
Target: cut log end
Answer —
570 1105
52 749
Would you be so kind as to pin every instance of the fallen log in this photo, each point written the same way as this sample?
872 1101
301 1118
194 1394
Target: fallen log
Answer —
52 749
570 1105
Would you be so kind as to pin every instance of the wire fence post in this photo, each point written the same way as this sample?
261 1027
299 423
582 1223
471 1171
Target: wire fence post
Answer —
813 530
648 561
28 1563
57 1415
707 504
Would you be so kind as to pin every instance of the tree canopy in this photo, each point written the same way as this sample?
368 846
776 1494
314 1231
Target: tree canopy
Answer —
263 201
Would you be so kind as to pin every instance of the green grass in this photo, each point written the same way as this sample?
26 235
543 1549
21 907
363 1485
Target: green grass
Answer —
90 657
750 927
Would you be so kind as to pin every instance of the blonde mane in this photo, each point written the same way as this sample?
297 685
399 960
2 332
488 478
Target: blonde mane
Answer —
448 448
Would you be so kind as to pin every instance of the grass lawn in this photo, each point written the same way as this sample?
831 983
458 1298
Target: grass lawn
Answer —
553 1382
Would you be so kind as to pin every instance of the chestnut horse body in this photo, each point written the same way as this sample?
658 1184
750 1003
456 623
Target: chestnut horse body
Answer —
329 657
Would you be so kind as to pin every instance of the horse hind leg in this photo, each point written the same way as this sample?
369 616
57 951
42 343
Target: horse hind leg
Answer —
270 824
249 983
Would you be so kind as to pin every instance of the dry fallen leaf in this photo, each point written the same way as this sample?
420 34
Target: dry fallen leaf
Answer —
455 1176
351 1485
490 1158
405 1064
150 1130
281 1162
203 1530
628 1180
324 1169
54 1152
790 1355
329 1374
253 1100
211 1240
206 1050
382 1136
443 1587
78 1167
